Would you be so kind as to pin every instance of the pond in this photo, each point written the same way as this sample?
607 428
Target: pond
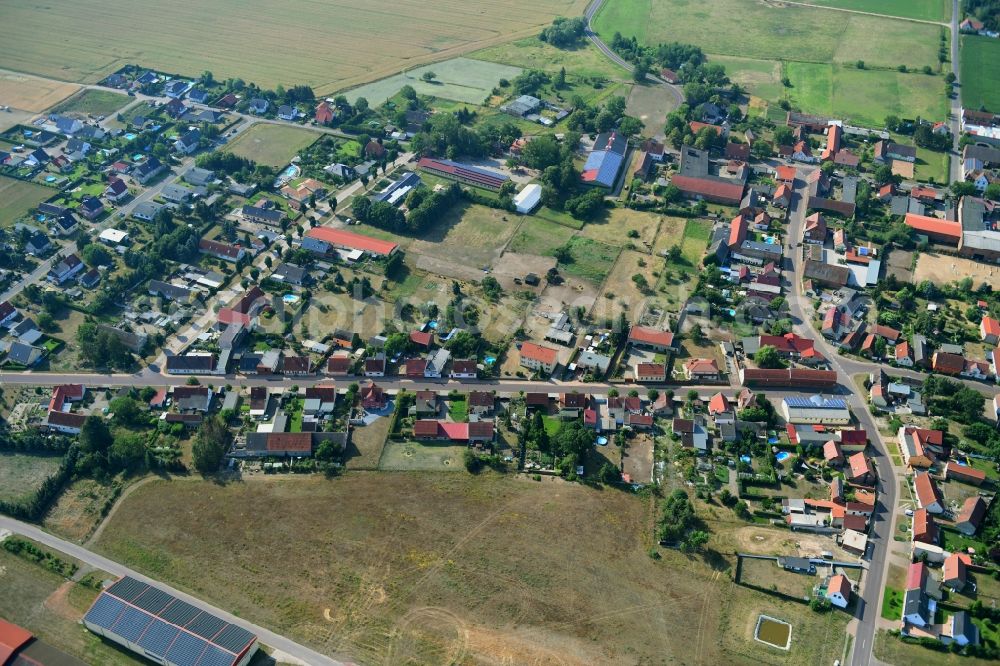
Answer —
773 632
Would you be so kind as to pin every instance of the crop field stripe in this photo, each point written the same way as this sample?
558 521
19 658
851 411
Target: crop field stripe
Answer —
329 45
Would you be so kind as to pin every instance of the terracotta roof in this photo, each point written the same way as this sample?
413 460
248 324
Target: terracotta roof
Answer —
860 465
650 369
933 225
927 492
724 190
947 363
738 228
12 638
701 366
341 238
480 399
965 473
698 126
650 336
785 173
718 404
831 450
338 364
545 355
972 511
902 350
857 436
464 367
422 338
840 585
924 528
990 326
954 567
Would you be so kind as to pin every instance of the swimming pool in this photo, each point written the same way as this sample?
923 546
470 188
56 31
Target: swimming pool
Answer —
732 312
772 440
291 171
770 240
130 136
490 360
432 324
783 456
137 157
602 441
745 459
290 298
50 179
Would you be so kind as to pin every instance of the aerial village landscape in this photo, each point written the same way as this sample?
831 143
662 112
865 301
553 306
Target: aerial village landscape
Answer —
565 332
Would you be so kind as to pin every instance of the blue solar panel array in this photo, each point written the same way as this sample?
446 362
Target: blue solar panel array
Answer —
828 403
167 627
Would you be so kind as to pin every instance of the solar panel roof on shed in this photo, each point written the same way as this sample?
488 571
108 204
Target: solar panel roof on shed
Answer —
149 619
816 401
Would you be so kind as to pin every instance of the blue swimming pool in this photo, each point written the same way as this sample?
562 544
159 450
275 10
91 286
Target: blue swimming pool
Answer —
602 441
490 360
783 456
290 298
772 440
130 136
137 157
745 459
432 324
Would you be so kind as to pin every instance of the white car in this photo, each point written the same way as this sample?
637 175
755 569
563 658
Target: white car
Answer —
909 512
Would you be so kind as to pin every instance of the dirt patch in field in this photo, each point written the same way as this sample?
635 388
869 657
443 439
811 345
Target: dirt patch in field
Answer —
901 265
517 265
765 541
941 269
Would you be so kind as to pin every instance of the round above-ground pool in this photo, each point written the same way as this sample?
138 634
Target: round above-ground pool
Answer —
602 441
745 459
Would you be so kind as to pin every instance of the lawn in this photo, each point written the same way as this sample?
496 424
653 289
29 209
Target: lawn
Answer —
589 259
421 456
330 46
458 409
747 28
923 10
21 474
439 568
761 78
96 102
766 574
539 236
892 604
862 96
979 73
19 197
271 145
458 79
559 217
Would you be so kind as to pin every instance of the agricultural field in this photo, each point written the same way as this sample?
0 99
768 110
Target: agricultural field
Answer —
458 79
19 197
979 73
589 259
329 46
21 474
271 145
96 102
761 78
768 31
432 568
922 10
50 607
863 96
29 93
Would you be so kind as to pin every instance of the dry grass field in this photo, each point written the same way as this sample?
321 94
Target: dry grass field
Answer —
271 145
30 93
615 228
22 474
628 296
330 45
78 510
942 269
466 240
430 568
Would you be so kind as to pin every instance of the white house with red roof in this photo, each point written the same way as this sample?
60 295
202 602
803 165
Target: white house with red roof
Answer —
989 330
538 357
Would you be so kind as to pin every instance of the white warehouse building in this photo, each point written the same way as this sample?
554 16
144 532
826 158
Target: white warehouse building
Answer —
526 200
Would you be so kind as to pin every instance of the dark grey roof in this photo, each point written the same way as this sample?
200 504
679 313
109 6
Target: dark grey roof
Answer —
186 362
24 354
166 627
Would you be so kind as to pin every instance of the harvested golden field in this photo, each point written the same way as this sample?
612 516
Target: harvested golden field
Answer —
429 567
30 93
329 45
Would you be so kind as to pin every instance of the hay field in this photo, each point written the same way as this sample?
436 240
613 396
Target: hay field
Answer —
430 567
944 269
471 236
30 93
18 197
770 31
272 145
21 474
922 10
980 74
329 45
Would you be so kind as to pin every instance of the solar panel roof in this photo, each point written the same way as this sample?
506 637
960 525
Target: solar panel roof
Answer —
829 403
166 626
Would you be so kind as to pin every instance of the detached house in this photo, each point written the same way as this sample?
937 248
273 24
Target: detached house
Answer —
989 330
928 496
188 142
220 250
971 516
65 269
537 357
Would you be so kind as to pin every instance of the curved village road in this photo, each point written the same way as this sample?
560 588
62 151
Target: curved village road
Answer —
589 14
266 636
